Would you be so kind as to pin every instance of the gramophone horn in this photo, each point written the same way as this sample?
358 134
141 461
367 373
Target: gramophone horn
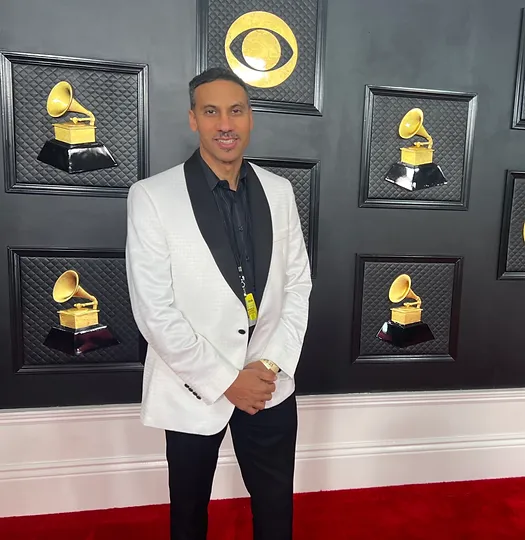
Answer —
67 286
412 124
60 101
401 289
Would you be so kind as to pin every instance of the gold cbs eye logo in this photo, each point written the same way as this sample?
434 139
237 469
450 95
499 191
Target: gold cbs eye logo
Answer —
264 41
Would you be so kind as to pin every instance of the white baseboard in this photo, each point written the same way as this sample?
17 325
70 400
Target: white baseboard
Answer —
71 459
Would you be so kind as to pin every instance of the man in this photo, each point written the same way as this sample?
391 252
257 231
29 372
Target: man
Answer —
219 282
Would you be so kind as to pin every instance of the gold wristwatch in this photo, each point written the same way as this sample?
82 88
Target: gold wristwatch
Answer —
272 366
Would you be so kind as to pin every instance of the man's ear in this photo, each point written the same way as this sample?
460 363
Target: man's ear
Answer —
192 120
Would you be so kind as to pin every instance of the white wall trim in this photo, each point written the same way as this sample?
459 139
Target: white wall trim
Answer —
306 452
69 414
102 457
111 412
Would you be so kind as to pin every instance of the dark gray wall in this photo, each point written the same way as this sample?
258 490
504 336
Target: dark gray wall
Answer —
468 46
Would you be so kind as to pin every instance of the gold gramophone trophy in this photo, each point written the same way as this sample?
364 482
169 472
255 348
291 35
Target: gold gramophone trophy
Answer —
405 326
79 331
74 148
416 169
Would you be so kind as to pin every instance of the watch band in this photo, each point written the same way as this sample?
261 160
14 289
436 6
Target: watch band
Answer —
272 366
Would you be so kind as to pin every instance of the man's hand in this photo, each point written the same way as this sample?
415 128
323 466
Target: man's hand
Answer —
258 365
252 389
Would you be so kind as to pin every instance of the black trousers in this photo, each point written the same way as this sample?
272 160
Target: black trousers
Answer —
265 448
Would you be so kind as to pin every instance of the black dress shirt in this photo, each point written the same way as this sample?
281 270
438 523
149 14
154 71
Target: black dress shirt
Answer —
235 212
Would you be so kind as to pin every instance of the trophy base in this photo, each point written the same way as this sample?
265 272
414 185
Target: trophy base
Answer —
77 342
76 158
403 336
416 177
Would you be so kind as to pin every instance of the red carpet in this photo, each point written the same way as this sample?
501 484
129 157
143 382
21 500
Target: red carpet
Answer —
483 510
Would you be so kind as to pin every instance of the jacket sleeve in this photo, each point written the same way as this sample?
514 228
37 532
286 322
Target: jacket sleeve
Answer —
285 345
191 357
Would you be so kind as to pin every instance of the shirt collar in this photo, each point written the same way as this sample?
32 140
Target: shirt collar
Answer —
212 179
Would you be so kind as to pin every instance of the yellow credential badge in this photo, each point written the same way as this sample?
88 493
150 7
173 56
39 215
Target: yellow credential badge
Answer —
251 307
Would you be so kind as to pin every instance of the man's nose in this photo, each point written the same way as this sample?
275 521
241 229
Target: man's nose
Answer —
224 122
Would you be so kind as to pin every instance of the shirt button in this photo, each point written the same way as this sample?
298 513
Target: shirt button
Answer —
241 331
247 258
241 228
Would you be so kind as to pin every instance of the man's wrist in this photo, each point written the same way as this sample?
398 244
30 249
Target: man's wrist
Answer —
272 366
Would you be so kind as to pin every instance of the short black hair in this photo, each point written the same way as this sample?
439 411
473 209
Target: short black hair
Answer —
215 74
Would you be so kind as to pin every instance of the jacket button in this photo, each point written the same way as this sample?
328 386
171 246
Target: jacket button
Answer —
241 331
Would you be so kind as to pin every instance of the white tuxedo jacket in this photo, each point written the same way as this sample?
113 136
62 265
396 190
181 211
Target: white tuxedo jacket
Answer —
187 299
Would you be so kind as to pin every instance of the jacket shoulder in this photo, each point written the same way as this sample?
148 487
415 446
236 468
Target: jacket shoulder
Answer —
158 183
270 179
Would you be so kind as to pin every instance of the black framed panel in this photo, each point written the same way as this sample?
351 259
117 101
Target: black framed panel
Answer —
511 260
277 48
33 274
304 176
435 280
116 93
518 112
443 181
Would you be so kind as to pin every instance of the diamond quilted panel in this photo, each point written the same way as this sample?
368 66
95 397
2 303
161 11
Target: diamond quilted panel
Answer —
113 99
446 123
516 246
433 282
301 182
301 17
104 278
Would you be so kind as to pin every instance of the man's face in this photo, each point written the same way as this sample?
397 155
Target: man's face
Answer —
223 119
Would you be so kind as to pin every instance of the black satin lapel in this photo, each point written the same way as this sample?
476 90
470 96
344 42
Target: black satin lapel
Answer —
261 231
210 223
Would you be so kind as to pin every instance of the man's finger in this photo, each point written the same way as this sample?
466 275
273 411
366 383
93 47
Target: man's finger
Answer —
267 375
263 393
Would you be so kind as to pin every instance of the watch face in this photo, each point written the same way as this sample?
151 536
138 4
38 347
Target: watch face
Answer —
271 366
